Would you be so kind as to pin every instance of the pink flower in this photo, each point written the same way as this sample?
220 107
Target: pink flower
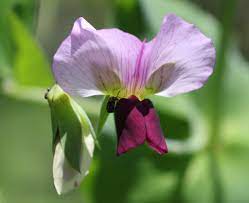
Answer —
112 62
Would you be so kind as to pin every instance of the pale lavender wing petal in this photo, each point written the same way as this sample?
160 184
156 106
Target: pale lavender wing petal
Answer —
179 59
88 62
130 125
154 133
127 49
79 63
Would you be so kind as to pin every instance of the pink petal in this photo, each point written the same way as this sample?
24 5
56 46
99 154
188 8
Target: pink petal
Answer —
130 125
127 49
179 59
91 62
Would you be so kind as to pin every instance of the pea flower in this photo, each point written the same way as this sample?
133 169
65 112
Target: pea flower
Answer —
177 60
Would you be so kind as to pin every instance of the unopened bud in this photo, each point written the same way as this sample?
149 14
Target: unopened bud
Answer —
73 142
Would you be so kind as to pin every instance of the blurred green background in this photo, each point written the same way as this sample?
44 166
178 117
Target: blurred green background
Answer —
207 130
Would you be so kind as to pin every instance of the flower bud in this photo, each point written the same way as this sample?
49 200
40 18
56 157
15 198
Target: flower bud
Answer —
73 142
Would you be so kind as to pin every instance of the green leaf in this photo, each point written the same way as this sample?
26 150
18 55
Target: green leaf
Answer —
128 17
24 9
30 65
4 66
233 169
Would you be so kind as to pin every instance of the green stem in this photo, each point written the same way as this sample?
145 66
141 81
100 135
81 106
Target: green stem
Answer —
36 15
216 177
227 16
177 195
223 46
102 116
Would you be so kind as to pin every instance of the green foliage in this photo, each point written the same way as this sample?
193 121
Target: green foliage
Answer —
5 42
21 57
130 11
30 63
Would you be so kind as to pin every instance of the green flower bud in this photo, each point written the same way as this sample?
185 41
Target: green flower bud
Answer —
73 142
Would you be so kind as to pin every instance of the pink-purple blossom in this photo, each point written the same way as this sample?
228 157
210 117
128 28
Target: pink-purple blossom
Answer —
177 60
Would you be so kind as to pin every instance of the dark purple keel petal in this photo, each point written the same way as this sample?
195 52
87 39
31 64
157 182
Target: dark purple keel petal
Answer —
130 125
137 121
154 135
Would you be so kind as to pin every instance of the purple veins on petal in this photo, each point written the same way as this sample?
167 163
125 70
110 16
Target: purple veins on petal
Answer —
187 54
93 62
136 122
177 60
139 78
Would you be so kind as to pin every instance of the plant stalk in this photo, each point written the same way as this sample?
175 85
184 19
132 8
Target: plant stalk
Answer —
228 8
